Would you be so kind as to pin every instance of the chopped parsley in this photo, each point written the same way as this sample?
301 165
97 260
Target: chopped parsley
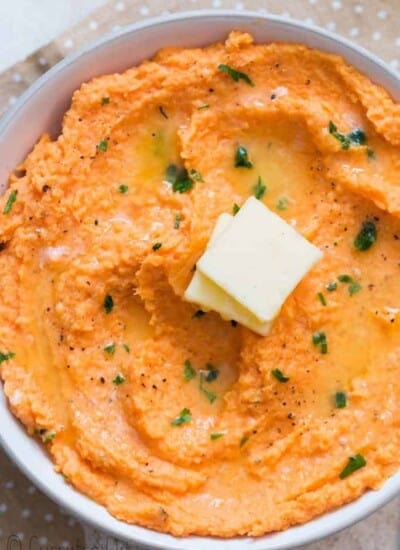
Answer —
199 313
127 348
278 374
184 416
259 189
212 374
371 154
179 178
163 113
105 100
48 436
340 400
366 236
189 372
344 140
282 203
6 356
243 441
177 222
195 175
242 158
102 146
354 463
203 106
235 75
123 189
119 379
330 287
353 287
355 137
345 278
12 197
319 341
235 209
108 303
209 394
110 349
321 298
216 435
156 246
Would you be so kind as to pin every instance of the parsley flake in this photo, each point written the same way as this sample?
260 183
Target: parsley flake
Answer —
6 356
278 374
340 400
184 416
108 303
353 287
189 372
123 189
344 140
366 236
242 158
127 348
102 146
357 136
319 341
119 379
330 287
354 463
110 349
105 100
195 175
203 106
371 154
235 209
321 298
259 189
179 178
209 394
216 435
12 197
156 246
212 374
177 222
243 441
282 203
235 75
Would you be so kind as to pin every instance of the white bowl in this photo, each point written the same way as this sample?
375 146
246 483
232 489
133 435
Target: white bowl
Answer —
40 110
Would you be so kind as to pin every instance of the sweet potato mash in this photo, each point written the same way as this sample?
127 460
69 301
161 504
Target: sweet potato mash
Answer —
171 417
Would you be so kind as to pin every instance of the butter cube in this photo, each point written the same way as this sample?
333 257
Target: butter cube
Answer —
204 292
258 260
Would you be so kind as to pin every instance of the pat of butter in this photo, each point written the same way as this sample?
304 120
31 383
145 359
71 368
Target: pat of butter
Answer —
204 292
258 260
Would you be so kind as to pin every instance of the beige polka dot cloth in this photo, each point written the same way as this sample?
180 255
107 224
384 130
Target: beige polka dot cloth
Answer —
28 520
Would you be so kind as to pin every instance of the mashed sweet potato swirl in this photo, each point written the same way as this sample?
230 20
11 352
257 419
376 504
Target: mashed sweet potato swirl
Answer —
171 417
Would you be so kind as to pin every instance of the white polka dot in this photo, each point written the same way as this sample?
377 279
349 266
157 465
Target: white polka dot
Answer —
331 25
48 517
239 6
336 5
26 513
93 25
42 540
354 31
3 508
216 3
31 489
394 63
397 41
120 6
17 77
68 43
309 21
382 14
358 8
144 10
116 28
376 35
12 100
285 14
312 1
42 61
9 484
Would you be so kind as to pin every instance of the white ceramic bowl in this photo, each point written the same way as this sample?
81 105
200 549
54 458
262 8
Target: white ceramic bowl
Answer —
40 110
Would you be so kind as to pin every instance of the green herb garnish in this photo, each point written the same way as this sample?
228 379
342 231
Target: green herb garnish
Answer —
235 75
195 175
102 146
184 416
357 136
123 189
12 197
163 113
355 463
353 287
344 140
235 209
216 435
278 374
259 189
371 154
282 203
242 158
48 436
110 349
108 303
177 222
6 356
119 379
105 100
345 278
189 372
366 236
179 178
156 246
243 441
199 313
126 348
209 394
340 400
212 374
203 106
319 341
330 287
321 298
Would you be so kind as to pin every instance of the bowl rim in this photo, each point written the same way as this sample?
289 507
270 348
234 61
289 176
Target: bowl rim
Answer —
358 509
